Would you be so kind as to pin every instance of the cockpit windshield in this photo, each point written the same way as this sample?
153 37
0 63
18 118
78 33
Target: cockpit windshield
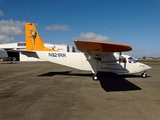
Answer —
131 60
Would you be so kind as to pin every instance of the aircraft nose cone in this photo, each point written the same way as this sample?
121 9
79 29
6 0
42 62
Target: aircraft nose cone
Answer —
144 67
147 67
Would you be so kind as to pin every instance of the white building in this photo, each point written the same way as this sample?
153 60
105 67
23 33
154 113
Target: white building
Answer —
22 46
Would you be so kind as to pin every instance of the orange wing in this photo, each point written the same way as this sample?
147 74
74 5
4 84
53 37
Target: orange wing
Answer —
84 45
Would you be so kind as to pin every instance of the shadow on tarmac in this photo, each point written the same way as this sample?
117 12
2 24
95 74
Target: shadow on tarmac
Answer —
113 83
65 73
109 82
8 62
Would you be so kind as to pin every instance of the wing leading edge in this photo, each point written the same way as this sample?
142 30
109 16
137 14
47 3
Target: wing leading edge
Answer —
95 46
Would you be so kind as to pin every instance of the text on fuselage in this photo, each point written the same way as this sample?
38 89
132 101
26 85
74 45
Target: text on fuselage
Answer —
63 55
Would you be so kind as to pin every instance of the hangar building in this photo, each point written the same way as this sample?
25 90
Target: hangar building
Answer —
18 56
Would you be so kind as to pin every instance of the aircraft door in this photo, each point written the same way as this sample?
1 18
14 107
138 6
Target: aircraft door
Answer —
122 64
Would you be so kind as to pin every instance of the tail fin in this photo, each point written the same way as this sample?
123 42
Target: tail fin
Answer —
33 40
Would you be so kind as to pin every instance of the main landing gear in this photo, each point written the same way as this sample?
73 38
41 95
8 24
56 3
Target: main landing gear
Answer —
94 77
144 75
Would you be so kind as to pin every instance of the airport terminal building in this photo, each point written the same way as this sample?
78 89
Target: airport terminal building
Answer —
18 56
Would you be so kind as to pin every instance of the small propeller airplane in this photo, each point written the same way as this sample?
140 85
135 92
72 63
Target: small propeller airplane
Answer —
94 56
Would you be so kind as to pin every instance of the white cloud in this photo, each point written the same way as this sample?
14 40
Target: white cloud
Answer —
6 39
8 28
58 27
1 13
94 36
13 8
105 28
74 38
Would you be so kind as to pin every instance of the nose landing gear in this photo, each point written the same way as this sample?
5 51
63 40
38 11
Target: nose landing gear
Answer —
144 75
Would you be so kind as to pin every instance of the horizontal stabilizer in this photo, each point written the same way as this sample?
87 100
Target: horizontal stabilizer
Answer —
20 51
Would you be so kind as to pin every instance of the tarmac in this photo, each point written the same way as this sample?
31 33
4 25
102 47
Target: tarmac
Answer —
47 91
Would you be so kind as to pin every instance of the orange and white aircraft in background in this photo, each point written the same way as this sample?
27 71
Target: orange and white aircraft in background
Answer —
94 56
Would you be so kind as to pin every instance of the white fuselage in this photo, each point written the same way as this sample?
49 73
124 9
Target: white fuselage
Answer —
79 61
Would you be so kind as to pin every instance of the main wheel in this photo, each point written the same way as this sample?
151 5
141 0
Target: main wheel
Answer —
144 75
94 77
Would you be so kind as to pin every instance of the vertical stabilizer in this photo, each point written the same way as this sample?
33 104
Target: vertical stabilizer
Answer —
33 39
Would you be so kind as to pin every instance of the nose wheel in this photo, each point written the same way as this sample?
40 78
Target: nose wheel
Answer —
144 75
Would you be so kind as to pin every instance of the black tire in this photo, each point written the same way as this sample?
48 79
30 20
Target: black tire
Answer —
144 75
95 78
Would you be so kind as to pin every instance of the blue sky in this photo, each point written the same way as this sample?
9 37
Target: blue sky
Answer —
132 22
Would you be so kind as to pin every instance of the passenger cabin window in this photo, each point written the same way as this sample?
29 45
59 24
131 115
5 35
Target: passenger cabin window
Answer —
131 60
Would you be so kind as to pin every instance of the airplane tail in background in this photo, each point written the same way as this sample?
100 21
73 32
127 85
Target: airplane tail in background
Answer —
33 39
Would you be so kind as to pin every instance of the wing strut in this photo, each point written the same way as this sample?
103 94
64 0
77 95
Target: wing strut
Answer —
95 71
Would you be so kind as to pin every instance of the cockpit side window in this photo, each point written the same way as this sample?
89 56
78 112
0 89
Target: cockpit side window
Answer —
131 60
